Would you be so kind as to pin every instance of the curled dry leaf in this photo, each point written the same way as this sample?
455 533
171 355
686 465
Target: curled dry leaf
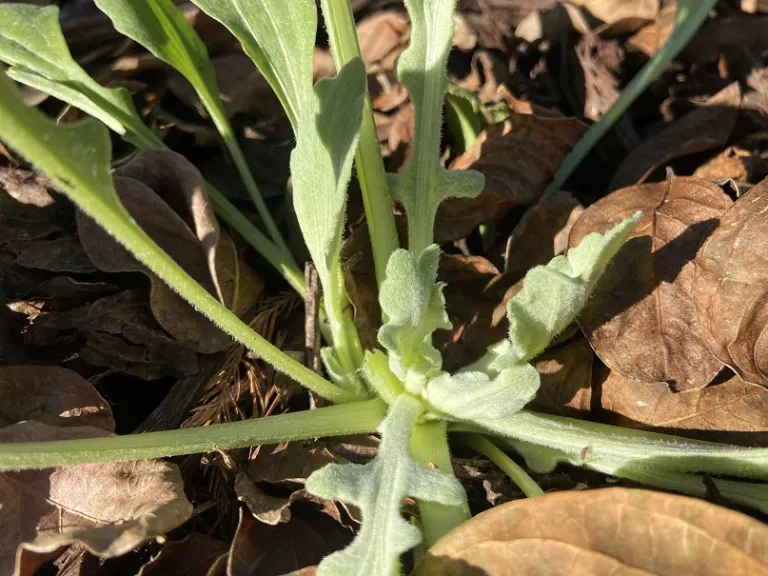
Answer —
732 411
608 532
108 508
165 194
641 319
383 36
566 379
733 163
730 287
518 157
703 129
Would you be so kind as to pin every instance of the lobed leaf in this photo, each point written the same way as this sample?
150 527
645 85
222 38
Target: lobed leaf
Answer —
32 44
424 183
475 396
554 294
414 307
378 489
279 37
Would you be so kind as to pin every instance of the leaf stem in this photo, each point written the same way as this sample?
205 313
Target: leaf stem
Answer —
219 117
690 16
520 477
429 447
353 418
370 167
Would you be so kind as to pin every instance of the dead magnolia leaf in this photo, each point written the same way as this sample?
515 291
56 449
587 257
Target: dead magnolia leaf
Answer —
108 508
195 555
730 287
707 127
608 532
641 319
732 411
518 157
51 395
165 194
566 379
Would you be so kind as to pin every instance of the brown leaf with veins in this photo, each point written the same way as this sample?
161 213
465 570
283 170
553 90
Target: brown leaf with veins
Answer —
165 194
566 379
607 532
641 319
705 128
518 157
108 508
730 287
732 411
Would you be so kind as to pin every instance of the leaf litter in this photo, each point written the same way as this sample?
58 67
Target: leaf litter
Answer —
74 298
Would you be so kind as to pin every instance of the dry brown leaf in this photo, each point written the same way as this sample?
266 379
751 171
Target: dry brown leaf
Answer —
730 287
108 508
258 548
51 395
26 186
732 411
622 16
641 319
518 158
55 255
566 379
165 194
608 532
735 164
707 127
195 555
383 36
652 36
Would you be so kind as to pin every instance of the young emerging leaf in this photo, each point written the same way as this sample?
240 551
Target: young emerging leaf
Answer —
414 306
378 489
32 44
475 396
76 158
321 166
421 68
553 295
279 36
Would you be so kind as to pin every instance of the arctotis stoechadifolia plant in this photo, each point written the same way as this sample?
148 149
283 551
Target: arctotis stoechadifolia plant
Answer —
400 390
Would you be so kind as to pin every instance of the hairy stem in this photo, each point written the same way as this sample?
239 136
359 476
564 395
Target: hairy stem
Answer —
370 166
353 418
429 447
520 477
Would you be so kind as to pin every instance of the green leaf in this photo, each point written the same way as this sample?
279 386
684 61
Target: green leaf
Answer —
553 295
414 306
475 396
76 158
378 489
161 28
321 166
424 183
279 36
32 44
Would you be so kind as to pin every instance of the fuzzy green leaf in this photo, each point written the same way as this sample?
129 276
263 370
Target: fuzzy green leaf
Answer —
475 396
321 166
378 489
424 183
32 44
414 306
553 295
279 36
76 158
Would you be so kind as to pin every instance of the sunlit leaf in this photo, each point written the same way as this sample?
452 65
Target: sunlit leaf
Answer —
378 488
279 37
414 306
424 183
32 43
